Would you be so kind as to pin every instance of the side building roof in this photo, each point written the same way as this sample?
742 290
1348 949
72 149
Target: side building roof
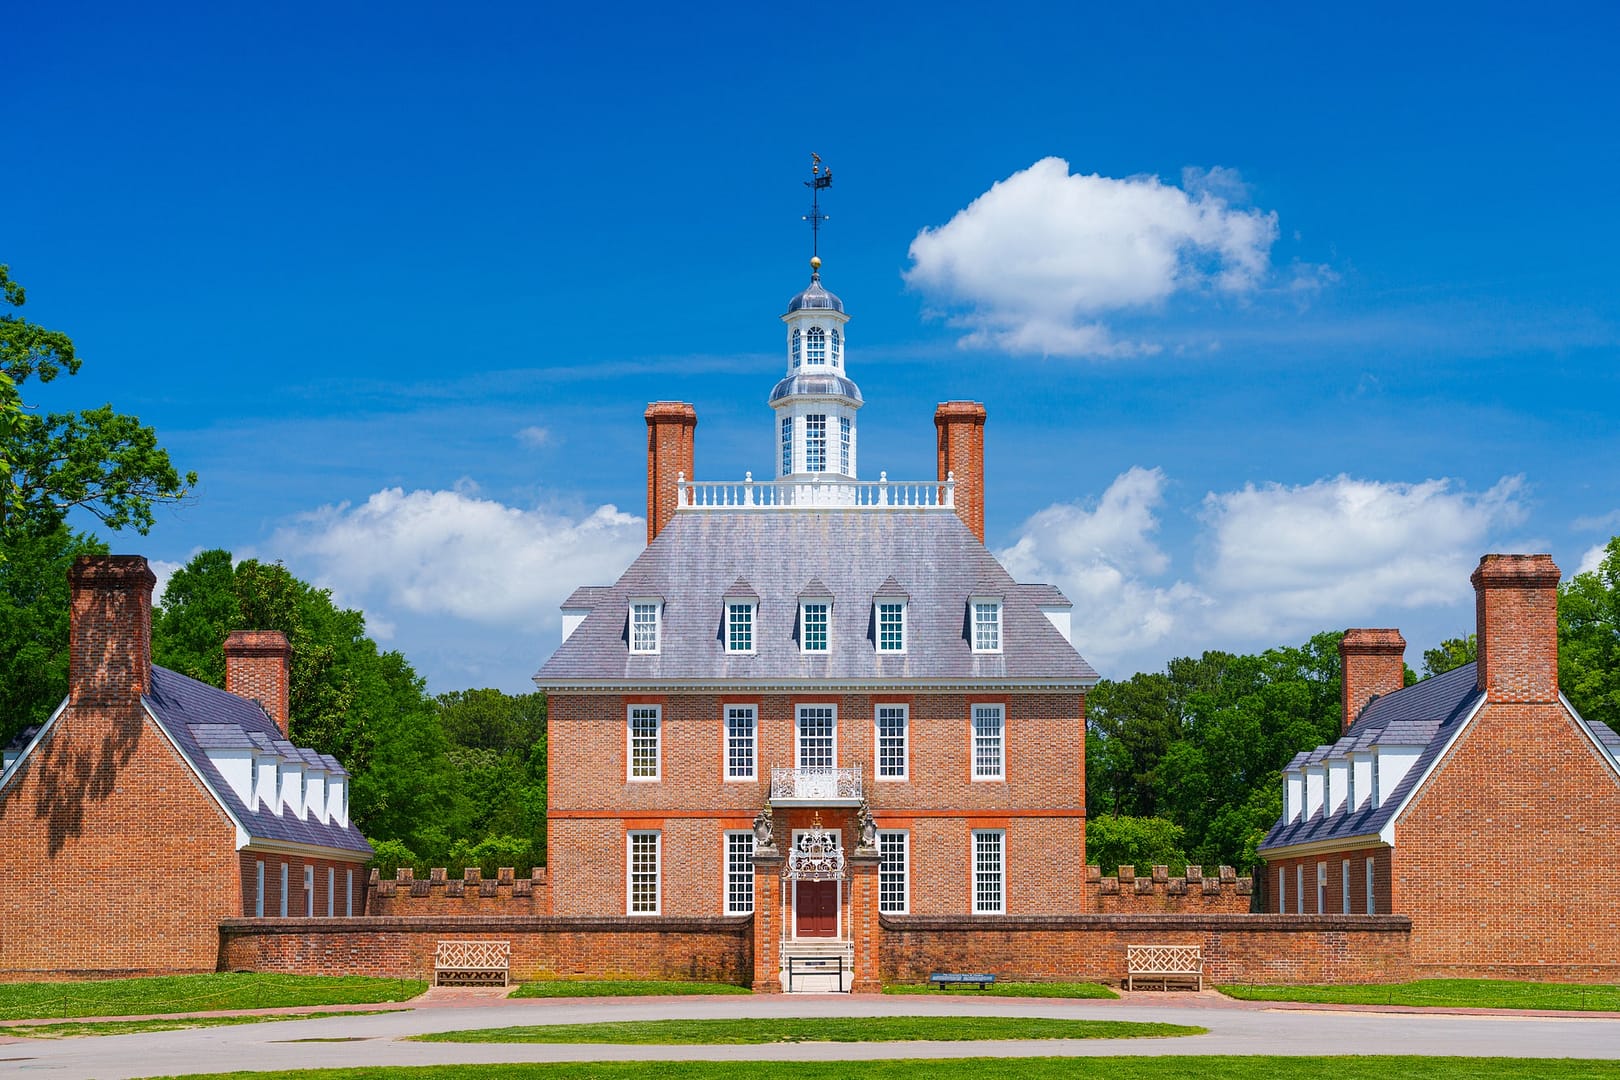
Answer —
849 555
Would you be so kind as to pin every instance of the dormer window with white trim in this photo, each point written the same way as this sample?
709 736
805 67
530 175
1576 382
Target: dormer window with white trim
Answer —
891 625
646 625
740 626
815 619
986 624
815 346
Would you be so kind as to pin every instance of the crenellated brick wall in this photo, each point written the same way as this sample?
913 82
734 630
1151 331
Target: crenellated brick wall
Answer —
1091 948
707 950
438 894
1158 892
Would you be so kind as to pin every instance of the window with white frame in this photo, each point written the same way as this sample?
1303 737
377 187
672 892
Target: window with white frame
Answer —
739 873
815 346
986 625
846 432
645 619
989 871
891 626
814 616
988 725
348 893
644 724
309 891
740 734
818 737
283 890
1321 888
787 445
891 722
837 346
740 626
258 903
641 873
894 892
331 891
1372 905
1282 890
1299 889
796 344
815 443
1344 885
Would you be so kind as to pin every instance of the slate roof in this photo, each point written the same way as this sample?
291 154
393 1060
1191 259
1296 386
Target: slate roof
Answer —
200 717
849 554
1424 714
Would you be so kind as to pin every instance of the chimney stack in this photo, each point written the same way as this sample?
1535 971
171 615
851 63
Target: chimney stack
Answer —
670 427
1374 664
257 666
960 426
1516 598
109 629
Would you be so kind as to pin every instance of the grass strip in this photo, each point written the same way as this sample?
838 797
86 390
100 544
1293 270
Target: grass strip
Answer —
196 993
1449 993
1205 1068
75 1029
737 1031
1011 989
554 988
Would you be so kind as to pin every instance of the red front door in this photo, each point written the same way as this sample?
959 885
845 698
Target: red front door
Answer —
816 905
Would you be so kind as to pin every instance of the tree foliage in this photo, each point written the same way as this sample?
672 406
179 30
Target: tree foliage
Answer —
1450 654
97 460
34 624
1202 744
1589 639
1112 842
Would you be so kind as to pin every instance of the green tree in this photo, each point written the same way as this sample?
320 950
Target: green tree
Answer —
1450 654
1112 842
102 462
498 755
1589 639
34 624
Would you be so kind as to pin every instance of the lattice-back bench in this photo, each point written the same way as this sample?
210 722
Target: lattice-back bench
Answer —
472 963
1182 964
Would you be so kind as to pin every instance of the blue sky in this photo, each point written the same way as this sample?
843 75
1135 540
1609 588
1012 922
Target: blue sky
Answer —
1281 320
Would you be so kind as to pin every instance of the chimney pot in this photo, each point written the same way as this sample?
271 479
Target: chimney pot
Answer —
258 666
670 435
960 429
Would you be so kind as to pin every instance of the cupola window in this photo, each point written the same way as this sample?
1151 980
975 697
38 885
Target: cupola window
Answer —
815 441
815 351
845 433
837 347
795 346
787 445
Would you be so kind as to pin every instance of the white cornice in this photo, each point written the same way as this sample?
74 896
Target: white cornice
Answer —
1323 847
813 686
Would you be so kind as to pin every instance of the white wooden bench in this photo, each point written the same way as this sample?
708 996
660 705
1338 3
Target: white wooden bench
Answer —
1166 964
472 963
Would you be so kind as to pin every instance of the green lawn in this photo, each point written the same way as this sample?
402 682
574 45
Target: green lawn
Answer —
1011 989
195 993
76 1028
551 988
1102 1068
1454 993
752 1030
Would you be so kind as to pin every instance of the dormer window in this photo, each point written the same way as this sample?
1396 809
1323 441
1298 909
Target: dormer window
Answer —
986 624
891 626
646 624
796 341
837 347
739 626
814 616
815 346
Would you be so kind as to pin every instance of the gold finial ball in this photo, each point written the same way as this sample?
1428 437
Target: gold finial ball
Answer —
815 262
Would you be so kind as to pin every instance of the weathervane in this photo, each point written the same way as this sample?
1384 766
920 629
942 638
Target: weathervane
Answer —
819 181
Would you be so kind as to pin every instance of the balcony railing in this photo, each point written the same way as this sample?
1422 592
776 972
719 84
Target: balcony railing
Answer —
879 494
816 785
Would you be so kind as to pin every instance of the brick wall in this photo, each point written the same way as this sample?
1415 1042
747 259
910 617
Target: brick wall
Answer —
959 431
334 883
440 895
1304 869
1158 892
1235 948
711 950
671 431
592 803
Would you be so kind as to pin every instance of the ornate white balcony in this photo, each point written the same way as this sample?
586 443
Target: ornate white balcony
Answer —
880 494
816 787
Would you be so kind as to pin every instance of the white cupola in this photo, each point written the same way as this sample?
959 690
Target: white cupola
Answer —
816 403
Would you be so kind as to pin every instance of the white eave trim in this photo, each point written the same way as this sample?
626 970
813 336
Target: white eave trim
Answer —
5 777
1387 833
1586 729
877 683
287 847
1323 847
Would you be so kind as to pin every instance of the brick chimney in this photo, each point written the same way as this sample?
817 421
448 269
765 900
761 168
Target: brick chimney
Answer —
960 426
109 629
670 427
1516 598
257 666
1374 663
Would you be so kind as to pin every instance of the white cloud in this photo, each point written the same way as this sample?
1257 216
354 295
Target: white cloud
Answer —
452 553
534 436
163 570
1593 558
1278 562
1031 265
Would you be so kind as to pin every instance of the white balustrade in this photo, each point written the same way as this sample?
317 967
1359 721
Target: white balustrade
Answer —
880 494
